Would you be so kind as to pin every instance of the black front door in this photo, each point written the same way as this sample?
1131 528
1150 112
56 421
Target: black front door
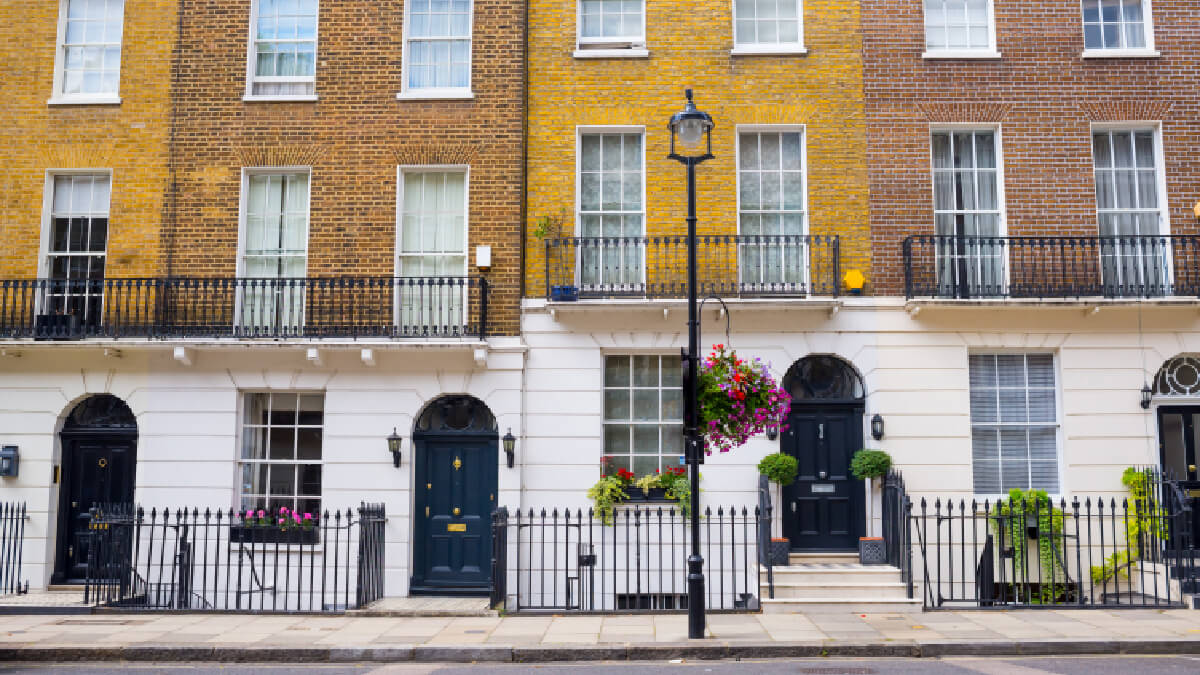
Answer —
823 509
456 492
1179 445
96 469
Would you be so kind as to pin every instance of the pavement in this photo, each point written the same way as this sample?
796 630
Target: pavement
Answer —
242 638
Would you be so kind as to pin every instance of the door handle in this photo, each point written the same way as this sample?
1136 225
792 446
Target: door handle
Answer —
457 511
822 475
1192 468
793 507
74 505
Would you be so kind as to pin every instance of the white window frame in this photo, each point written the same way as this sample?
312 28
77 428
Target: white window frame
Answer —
252 58
1147 52
780 49
580 131
243 205
604 422
434 93
59 98
624 47
239 461
1002 225
737 163
1059 415
991 52
43 263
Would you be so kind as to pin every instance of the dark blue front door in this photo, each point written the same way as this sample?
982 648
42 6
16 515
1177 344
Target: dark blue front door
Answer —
823 508
456 492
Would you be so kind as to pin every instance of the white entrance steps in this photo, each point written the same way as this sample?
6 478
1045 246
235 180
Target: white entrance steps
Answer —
836 581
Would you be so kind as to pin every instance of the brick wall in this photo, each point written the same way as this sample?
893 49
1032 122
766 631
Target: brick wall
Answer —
1043 96
689 46
353 138
129 139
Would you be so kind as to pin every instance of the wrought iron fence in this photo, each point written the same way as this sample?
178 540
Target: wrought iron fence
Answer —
765 511
12 544
217 560
727 265
895 508
569 561
962 267
1036 552
179 307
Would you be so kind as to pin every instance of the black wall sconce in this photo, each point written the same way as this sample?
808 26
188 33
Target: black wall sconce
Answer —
1147 393
773 434
8 461
877 427
393 442
510 447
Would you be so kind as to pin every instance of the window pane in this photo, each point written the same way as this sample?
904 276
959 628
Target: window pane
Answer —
1023 387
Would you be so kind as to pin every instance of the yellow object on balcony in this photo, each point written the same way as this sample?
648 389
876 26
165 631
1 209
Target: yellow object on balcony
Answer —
854 280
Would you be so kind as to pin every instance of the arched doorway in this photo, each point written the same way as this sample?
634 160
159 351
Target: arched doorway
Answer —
99 458
455 447
1177 391
823 510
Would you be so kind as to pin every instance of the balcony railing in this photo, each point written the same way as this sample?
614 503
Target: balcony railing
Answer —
656 267
938 266
185 307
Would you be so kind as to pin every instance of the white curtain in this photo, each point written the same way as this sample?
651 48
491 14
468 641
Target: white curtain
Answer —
432 257
1135 260
275 248
967 214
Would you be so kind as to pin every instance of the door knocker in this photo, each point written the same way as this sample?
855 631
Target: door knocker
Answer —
457 464
103 462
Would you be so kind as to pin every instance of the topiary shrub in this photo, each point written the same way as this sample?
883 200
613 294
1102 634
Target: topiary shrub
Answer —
779 468
870 464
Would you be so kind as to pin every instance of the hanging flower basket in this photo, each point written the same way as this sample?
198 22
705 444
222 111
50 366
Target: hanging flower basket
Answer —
738 399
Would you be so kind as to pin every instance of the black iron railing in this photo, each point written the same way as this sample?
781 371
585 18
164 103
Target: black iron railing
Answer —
215 560
895 509
186 307
1055 553
12 545
765 510
499 586
568 561
965 267
656 267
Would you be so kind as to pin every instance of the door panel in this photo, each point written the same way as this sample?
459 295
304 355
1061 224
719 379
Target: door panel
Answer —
1179 447
95 470
457 484
823 509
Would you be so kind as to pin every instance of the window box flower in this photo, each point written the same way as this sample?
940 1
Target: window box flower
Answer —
282 527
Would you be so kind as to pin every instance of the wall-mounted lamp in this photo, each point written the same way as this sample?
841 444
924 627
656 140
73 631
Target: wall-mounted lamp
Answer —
8 461
483 258
1147 393
773 434
510 447
394 441
877 427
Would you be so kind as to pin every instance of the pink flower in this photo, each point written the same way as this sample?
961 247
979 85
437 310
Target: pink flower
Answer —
249 514
281 521
308 516
261 513
295 516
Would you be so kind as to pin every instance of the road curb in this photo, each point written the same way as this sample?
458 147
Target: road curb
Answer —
706 651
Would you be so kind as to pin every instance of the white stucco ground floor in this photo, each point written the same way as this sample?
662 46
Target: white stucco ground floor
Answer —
973 398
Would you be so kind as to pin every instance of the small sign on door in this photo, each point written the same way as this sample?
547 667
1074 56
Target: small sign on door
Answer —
823 488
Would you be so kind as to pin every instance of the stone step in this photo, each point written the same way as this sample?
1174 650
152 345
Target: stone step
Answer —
805 558
842 605
834 574
892 590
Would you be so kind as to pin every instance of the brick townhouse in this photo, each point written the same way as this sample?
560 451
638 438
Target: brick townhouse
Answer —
319 257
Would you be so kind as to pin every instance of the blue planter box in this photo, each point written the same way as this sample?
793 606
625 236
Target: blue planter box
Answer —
564 293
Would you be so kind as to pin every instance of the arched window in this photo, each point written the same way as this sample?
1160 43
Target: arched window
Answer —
1179 376
456 414
102 411
823 378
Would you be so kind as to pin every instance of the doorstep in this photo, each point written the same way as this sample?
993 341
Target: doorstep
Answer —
426 605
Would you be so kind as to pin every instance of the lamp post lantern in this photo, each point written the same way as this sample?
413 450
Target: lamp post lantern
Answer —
691 144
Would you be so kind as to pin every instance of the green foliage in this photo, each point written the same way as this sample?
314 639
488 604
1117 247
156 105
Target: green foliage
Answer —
870 464
606 494
779 468
548 226
1144 515
1113 567
1012 521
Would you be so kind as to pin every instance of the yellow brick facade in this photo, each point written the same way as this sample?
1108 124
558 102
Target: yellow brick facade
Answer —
689 46
129 139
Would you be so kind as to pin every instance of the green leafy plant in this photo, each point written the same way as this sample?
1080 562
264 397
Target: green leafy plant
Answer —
779 468
1025 513
547 226
870 464
1115 566
606 494
610 490
1144 518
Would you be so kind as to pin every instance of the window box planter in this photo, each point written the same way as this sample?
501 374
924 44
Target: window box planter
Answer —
639 496
564 293
57 327
269 534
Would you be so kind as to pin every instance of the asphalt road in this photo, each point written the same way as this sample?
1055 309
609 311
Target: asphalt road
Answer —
1109 665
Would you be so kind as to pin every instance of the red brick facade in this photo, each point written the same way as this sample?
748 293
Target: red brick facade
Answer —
1043 96
353 138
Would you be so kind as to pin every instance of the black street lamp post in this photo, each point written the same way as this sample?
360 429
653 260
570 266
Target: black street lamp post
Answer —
691 143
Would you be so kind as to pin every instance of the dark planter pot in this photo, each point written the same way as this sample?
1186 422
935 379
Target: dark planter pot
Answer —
57 327
637 495
777 552
269 534
564 293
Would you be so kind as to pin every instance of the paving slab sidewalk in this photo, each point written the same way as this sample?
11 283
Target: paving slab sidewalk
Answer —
295 638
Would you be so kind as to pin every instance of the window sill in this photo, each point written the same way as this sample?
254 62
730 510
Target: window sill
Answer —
961 54
303 98
1121 54
435 94
782 50
612 54
85 100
